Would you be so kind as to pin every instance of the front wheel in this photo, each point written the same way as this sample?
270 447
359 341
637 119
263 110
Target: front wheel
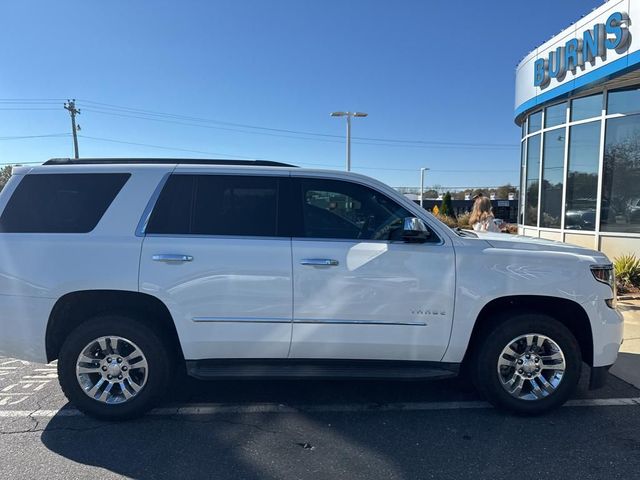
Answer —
114 367
528 363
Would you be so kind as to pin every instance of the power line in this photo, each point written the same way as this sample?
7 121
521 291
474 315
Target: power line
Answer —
112 109
192 121
163 147
31 100
208 152
48 135
377 143
176 122
411 169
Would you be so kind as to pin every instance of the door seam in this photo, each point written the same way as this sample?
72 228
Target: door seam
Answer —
292 298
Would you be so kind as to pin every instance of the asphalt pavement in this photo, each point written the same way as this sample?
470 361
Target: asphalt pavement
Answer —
315 429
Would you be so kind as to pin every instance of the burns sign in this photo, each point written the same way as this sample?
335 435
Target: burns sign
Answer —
578 52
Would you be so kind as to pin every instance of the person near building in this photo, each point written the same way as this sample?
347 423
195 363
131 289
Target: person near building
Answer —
481 218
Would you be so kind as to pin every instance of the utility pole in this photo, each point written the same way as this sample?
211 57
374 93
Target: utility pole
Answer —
73 111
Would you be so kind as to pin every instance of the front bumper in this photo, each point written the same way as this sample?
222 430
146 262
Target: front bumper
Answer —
607 332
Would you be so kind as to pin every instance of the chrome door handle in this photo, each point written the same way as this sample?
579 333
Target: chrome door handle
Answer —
171 257
320 262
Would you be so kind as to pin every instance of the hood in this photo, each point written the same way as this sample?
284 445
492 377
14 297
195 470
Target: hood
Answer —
519 242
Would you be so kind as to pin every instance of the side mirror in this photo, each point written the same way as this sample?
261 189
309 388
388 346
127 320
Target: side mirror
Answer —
415 231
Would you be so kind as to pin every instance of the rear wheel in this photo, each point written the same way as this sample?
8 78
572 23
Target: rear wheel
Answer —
114 367
528 363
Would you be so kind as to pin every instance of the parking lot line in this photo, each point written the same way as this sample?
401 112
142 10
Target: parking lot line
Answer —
210 409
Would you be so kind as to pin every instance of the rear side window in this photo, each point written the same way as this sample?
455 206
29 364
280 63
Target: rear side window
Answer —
217 205
60 203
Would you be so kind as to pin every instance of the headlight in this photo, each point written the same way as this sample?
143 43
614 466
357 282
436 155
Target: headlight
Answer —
605 274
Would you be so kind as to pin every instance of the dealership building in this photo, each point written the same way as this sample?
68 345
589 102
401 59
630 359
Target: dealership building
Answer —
578 103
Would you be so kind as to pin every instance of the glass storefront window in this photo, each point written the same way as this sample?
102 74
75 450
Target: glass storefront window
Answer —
586 107
524 128
555 115
552 173
624 101
523 151
582 177
533 174
534 122
620 208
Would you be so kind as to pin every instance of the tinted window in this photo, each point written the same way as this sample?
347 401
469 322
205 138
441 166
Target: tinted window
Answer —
533 184
620 208
337 209
60 203
624 101
555 115
582 179
586 107
523 179
535 122
552 178
217 205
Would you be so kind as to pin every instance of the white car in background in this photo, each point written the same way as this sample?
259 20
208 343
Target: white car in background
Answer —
127 270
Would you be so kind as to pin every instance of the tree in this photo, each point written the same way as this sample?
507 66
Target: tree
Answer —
458 195
504 191
5 175
446 208
431 193
478 191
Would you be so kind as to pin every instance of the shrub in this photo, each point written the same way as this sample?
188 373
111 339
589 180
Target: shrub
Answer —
627 268
448 221
463 220
446 208
511 228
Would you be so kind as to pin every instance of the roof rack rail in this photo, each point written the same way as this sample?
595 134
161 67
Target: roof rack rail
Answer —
195 161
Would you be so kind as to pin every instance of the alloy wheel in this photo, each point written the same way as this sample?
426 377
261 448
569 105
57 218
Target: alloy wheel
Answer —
531 367
112 369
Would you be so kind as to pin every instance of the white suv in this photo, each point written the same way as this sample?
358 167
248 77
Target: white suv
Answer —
128 270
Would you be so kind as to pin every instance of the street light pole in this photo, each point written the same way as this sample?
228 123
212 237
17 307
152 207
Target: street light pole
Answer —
348 143
348 115
422 170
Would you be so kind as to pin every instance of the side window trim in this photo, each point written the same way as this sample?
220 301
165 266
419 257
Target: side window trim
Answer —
151 204
298 220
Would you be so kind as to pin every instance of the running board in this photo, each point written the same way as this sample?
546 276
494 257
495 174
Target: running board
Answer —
327 369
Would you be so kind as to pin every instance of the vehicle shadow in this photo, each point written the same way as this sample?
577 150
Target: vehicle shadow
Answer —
368 442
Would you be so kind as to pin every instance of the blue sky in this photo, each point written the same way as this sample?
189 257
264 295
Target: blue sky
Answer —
424 70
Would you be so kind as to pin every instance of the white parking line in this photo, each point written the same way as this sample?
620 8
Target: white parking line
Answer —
210 409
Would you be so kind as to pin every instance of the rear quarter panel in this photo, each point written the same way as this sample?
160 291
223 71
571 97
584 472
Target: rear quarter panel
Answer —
36 269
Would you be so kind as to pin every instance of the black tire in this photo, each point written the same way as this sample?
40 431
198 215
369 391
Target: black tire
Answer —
495 339
153 346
